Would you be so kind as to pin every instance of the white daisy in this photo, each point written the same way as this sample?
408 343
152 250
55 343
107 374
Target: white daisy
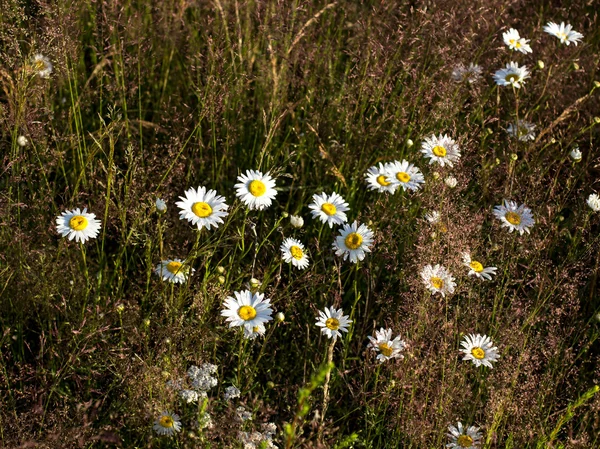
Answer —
353 242
594 202
333 322
516 42
174 271
565 33
202 208
514 217
78 225
470 74
461 438
433 217
256 190
41 65
404 174
442 149
438 279
387 348
477 269
329 209
522 130
247 309
255 331
293 252
511 75
296 221
480 350
376 177
167 424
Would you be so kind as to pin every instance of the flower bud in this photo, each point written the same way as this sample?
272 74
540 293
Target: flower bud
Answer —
161 206
409 143
255 283
221 279
220 269
540 64
296 221
280 317
22 141
285 214
451 181
514 157
575 154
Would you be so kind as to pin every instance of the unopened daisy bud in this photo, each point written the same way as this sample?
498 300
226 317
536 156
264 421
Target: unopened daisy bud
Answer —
561 218
451 181
22 141
575 154
514 157
254 283
409 143
497 161
575 66
161 206
596 84
167 341
540 64
120 308
436 175
221 279
597 316
285 214
296 221
146 322
220 269
280 317
270 384
490 131
553 140
596 119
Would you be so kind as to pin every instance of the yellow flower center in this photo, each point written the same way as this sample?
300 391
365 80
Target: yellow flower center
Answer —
478 353
476 266
174 267
333 324
255 329
257 188
39 64
382 181
439 151
404 177
437 282
511 41
329 209
297 252
518 44
201 209
166 421
247 313
353 240
513 218
464 441
511 78
385 349
78 223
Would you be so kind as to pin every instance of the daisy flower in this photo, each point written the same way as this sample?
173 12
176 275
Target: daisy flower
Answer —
442 149
255 190
387 348
470 74
404 174
296 221
376 177
514 217
78 225
329 209
477 269
511 75
167 424
594 202
480 350
353 242
41 65
256 331
292 252
333 322
202 208
433 217
161 205
565 33
522 130
247 309
438 279
174 271
516 42
461 438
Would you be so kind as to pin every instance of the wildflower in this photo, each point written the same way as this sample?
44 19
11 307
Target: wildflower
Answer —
511 75
202 377
296 221
353 242
189 396
332 322
231 393
255 331
78 225
594 202
167 424
514 217
292 252
442 149
480 350
522 130
470 74
22 141
174 270
247 309
243 414
161 205
565 33
41 65
438 279
461 438
376 177
409 143
575 154
202 208
433 217
477 269
255 283
516 42
280 317
451 181
404 174
256 190
329 209
387 348
205 421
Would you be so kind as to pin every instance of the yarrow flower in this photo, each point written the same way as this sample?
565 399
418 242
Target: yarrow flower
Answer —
516 42
202 377
404 174
438 279
477 269
293 252
174 270
463 438
471 74
202 208
78 225
442 149
565 33
514 217
41 65
353 242
247 309
167 424
594 202
511 75
480 350
231 392
189 396
387 348
329 209
522 130
376 177
256 190
333 322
